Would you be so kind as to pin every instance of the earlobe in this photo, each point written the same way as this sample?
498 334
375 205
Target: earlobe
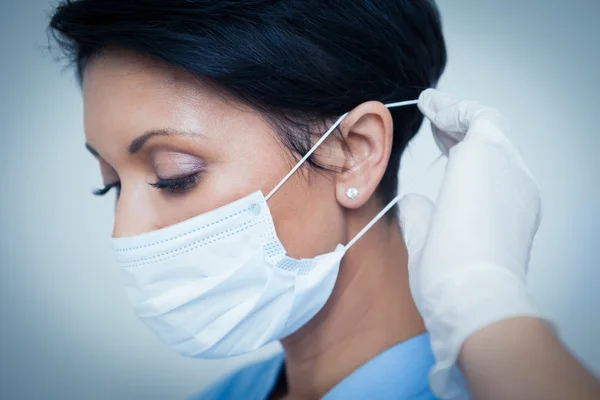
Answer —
368 132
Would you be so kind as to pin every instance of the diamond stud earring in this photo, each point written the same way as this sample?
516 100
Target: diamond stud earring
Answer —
352 193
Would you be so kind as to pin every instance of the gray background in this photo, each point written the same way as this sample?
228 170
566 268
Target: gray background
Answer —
66 328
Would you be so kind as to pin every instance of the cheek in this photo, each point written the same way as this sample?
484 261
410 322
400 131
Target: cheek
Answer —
308 218
306 214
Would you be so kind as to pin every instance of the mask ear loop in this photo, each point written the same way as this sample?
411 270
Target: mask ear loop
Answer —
390 205
322 139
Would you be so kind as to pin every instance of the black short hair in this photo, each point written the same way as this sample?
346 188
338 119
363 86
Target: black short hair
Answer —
297 61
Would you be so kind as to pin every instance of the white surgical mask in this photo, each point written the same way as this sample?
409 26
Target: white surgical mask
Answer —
220 284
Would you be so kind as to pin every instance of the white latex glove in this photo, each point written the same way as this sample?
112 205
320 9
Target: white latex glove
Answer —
468 255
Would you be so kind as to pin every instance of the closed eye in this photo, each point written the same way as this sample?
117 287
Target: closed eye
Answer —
177 185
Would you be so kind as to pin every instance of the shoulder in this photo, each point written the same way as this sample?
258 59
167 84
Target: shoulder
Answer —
252 382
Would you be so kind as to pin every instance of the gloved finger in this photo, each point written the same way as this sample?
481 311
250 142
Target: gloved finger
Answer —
443 141
431 101
453 120
415 213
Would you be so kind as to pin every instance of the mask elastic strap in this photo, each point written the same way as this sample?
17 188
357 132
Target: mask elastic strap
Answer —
389 206
322 139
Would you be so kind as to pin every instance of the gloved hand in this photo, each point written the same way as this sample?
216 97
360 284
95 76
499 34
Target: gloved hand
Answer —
468 254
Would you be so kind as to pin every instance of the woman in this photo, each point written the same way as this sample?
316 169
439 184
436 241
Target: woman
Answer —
231 233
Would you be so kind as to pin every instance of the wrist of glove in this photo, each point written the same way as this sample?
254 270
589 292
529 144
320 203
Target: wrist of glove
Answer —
468 255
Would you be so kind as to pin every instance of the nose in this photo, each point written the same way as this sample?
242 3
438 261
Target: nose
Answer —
133 213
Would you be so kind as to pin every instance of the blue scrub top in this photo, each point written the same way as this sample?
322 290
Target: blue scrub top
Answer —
400 372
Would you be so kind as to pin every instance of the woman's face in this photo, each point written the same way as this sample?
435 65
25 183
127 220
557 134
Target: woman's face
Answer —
179 148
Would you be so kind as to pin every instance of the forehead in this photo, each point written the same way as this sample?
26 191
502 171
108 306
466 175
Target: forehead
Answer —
126 94
122 90
132 71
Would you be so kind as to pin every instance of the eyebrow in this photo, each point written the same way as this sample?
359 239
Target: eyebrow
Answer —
138 143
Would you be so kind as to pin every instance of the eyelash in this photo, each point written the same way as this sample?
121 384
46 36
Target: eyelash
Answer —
107 188
175 186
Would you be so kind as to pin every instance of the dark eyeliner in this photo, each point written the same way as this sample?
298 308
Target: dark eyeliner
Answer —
107 188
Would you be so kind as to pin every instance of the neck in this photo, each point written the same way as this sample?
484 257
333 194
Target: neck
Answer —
369 311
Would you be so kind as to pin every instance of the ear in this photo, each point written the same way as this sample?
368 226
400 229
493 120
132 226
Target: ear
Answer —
368 131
